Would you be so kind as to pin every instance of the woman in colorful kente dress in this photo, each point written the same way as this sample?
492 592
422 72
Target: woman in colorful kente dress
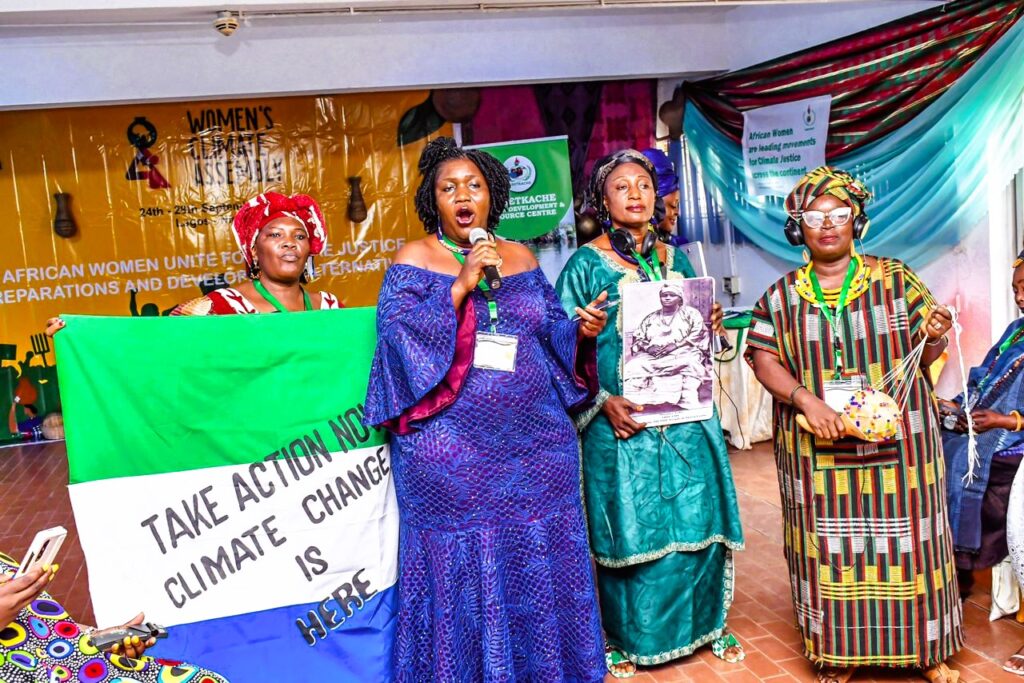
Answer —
661 504
978 504
41 643
278 236
866 537
475 385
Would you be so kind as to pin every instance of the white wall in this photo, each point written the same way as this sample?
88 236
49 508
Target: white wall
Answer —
963 279
60 66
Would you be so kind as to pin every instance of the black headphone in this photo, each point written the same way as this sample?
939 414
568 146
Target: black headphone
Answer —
623 242
795 236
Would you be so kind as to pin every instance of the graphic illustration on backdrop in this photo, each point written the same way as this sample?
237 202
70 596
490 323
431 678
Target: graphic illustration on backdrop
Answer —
142 136
154 191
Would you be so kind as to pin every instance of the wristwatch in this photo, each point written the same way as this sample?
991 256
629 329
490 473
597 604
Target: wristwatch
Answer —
949 421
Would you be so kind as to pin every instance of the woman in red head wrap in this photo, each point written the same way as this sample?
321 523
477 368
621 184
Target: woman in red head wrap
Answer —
278 236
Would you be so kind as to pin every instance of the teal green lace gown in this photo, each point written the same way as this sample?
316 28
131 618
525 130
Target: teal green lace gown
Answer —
661 506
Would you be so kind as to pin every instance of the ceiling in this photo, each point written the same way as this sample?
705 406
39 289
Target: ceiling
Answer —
43 13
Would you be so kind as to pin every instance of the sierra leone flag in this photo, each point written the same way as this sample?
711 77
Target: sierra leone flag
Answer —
222 481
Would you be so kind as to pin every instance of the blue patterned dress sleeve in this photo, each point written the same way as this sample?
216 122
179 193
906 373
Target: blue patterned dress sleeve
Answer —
573 360
424 349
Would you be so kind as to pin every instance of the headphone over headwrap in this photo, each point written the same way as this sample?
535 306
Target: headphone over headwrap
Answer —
622 240
821 181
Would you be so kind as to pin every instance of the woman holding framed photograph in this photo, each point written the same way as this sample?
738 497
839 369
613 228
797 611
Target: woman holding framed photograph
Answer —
661 504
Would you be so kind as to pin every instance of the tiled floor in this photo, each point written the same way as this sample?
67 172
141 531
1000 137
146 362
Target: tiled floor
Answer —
33 496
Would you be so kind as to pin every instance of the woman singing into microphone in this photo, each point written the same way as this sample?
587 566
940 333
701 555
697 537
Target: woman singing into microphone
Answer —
475 385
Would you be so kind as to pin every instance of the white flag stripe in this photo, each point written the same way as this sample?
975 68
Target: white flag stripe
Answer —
251 554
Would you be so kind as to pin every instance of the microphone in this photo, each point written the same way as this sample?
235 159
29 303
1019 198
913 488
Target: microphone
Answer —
491 276
721 344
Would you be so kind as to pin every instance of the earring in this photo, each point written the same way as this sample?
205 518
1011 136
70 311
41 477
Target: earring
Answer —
310 270
806 256
254 269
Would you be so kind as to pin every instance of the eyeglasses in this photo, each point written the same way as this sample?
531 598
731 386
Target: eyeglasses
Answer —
837 217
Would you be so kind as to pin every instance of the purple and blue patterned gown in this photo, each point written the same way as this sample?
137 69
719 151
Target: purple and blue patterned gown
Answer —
495 581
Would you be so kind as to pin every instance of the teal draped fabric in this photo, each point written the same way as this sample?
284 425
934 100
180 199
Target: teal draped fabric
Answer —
932 178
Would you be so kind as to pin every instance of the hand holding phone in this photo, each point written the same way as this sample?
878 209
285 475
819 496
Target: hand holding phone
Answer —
106 639
43 550
607 303
16 594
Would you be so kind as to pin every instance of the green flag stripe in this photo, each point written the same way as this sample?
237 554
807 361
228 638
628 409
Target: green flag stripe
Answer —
154 395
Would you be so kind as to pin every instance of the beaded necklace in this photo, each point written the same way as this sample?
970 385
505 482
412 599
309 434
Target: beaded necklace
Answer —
1002 349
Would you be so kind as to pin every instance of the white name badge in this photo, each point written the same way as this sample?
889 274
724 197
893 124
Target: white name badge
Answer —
495 351
839 391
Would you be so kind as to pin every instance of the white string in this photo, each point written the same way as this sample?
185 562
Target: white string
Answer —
972 437
897 382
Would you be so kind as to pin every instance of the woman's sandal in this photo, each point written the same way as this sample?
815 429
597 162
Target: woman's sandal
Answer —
728 649
835 674
618 664
1017 658
940 673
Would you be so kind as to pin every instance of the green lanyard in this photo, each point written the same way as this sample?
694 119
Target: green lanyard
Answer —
653 269
492 305
1014 338
833 315
273 299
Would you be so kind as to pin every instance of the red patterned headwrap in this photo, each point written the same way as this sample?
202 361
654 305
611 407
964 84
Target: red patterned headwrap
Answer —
265 207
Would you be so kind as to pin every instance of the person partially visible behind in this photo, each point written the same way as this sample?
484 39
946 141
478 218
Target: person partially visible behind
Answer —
867 542
31 428
978 504
278 236
40 642
666 207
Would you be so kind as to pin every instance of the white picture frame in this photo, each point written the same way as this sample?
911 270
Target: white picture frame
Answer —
667 350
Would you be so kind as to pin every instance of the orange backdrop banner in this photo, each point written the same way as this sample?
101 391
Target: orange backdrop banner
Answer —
152 189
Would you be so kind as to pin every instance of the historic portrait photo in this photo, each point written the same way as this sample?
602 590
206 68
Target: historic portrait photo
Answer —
667 359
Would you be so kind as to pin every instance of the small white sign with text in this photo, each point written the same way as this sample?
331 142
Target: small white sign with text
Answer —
782 142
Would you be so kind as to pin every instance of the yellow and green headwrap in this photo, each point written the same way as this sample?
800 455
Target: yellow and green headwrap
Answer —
827 180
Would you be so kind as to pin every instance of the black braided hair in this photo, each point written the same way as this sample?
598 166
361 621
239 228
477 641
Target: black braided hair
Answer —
444 149
603 168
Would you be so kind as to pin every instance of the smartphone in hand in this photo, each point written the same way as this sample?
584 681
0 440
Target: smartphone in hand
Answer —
104 639
607 303
43 550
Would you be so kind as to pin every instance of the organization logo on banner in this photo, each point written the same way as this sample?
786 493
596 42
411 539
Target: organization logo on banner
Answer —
809 118
539 203
521 173
142 136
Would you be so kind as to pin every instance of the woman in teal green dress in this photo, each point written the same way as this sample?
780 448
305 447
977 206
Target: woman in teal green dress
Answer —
661 504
